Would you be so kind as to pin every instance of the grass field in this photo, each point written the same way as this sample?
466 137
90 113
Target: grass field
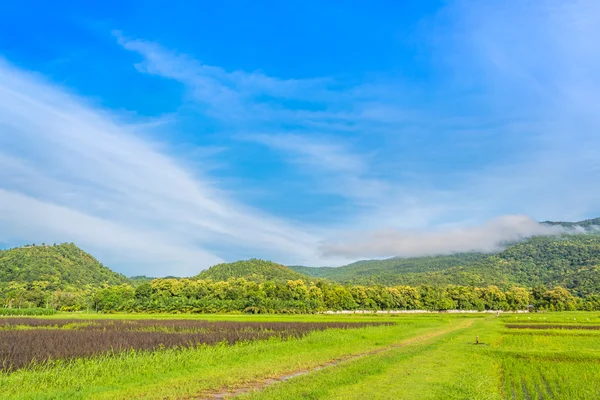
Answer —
431 356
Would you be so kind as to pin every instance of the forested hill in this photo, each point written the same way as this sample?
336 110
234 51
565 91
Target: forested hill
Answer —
57 266
253 270
571 261
388 270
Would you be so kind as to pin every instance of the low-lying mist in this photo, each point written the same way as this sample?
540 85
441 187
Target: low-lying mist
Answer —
489 237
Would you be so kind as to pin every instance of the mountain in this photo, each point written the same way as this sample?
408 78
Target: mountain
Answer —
571 261
60 265
385 271
568 260
253 269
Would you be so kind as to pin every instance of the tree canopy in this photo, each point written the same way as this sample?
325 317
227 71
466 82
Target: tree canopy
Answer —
55 266
253 270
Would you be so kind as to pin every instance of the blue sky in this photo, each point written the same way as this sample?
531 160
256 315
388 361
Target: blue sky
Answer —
165 137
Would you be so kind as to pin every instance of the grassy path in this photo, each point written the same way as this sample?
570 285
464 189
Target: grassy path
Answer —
249 387
529 364
446 365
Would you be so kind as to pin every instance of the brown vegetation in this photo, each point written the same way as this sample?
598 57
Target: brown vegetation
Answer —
24 341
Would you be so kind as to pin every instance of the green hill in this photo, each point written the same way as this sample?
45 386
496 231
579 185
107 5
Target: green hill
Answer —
569 260
253 269
388 270
58 265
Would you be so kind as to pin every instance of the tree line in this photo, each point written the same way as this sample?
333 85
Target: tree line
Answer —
292 296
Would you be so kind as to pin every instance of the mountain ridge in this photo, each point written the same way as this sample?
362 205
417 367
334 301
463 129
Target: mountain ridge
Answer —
539 262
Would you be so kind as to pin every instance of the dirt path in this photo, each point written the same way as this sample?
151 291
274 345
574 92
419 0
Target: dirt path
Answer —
225 393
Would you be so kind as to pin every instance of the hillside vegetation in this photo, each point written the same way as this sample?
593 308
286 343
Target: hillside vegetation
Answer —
253 270
571 261
56 266
388 270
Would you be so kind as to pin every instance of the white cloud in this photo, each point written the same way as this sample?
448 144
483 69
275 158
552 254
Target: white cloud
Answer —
327 154
235 96
340 170
33 220
59 156
487 238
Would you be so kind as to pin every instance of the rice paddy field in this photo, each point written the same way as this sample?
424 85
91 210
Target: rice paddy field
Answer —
402 356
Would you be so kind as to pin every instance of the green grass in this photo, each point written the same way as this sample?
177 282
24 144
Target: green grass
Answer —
444 367
550 363
565 317
187 372
510 364
443 364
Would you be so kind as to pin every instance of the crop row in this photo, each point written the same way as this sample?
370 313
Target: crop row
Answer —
20 348
539 326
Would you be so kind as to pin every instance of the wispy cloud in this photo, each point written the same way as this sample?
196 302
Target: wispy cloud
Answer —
30 219
231 95
72 172
340 170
